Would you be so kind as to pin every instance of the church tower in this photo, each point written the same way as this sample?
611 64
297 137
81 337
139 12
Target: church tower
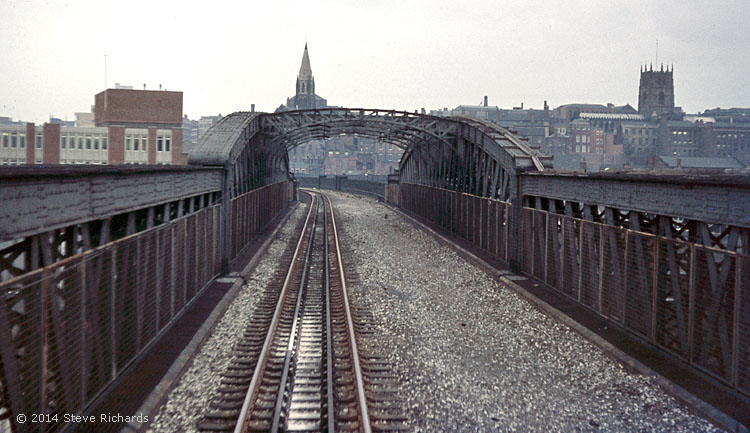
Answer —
304 97
656 92
305 80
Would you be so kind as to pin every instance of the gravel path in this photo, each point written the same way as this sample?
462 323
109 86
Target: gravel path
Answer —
187 401
474 356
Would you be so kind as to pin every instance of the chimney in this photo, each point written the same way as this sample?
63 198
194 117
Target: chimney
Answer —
485 100
252 108
521 105
144 86
546 107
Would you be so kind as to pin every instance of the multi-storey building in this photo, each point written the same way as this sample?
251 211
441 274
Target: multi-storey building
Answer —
638 138
130 127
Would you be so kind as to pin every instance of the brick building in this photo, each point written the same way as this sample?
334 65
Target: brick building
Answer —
130 127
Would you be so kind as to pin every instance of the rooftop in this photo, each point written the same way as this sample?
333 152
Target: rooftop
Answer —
700 162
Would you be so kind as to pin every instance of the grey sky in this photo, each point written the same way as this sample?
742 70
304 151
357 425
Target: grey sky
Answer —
378 54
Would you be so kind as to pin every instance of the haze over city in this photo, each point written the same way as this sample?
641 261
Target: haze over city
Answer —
358 216
391 54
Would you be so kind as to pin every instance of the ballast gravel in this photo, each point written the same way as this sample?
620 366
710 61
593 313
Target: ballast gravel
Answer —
188 400
472 355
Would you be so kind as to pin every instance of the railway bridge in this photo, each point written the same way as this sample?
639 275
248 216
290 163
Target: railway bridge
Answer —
97 263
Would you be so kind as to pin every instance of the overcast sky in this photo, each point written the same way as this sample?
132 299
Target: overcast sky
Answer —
397 54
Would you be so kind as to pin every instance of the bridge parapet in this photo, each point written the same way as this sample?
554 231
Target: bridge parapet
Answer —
52 213
678 284
69 329
39 199
711 198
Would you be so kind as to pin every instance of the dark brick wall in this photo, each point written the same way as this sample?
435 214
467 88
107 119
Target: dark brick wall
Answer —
51 144
116 150
30 143
133 107
151 145
177 157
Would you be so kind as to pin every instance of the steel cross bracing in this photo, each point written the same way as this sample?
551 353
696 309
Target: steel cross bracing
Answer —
461 154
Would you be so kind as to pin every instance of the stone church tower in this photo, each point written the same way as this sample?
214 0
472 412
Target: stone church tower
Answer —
305 97
656 92
305 80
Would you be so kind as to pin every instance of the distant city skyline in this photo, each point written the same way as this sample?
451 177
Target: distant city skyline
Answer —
399 55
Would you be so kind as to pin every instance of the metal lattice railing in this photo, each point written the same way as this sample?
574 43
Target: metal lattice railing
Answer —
68 330
252 211
482 221
690 300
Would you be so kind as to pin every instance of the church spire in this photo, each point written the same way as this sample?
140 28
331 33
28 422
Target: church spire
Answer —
305 72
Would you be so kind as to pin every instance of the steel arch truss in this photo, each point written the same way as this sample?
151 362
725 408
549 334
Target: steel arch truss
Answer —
461 154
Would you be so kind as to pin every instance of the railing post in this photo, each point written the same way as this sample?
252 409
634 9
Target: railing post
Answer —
139 279
226 204
736 320
655 290
581 225
172 271
159 259
84 332
514 224
546 248
691 303
44 349
601 268
623 295
10 365
112 316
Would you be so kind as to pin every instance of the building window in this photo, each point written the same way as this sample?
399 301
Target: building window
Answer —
21 141
159 143
88 143
128 142
96 143
63 141
38 141
13 140
104 142
80 142
167 143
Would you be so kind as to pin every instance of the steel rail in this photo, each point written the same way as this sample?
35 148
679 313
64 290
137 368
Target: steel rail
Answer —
294 330
366 428
254 383
329 335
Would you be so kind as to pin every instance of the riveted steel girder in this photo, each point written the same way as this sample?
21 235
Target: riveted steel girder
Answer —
462 154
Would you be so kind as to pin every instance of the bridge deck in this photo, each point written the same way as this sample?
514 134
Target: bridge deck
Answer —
472 354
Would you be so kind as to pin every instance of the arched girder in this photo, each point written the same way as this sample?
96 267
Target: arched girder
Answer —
463 154
317 128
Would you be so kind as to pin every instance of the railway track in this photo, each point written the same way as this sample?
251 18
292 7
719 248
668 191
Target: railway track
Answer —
298 367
